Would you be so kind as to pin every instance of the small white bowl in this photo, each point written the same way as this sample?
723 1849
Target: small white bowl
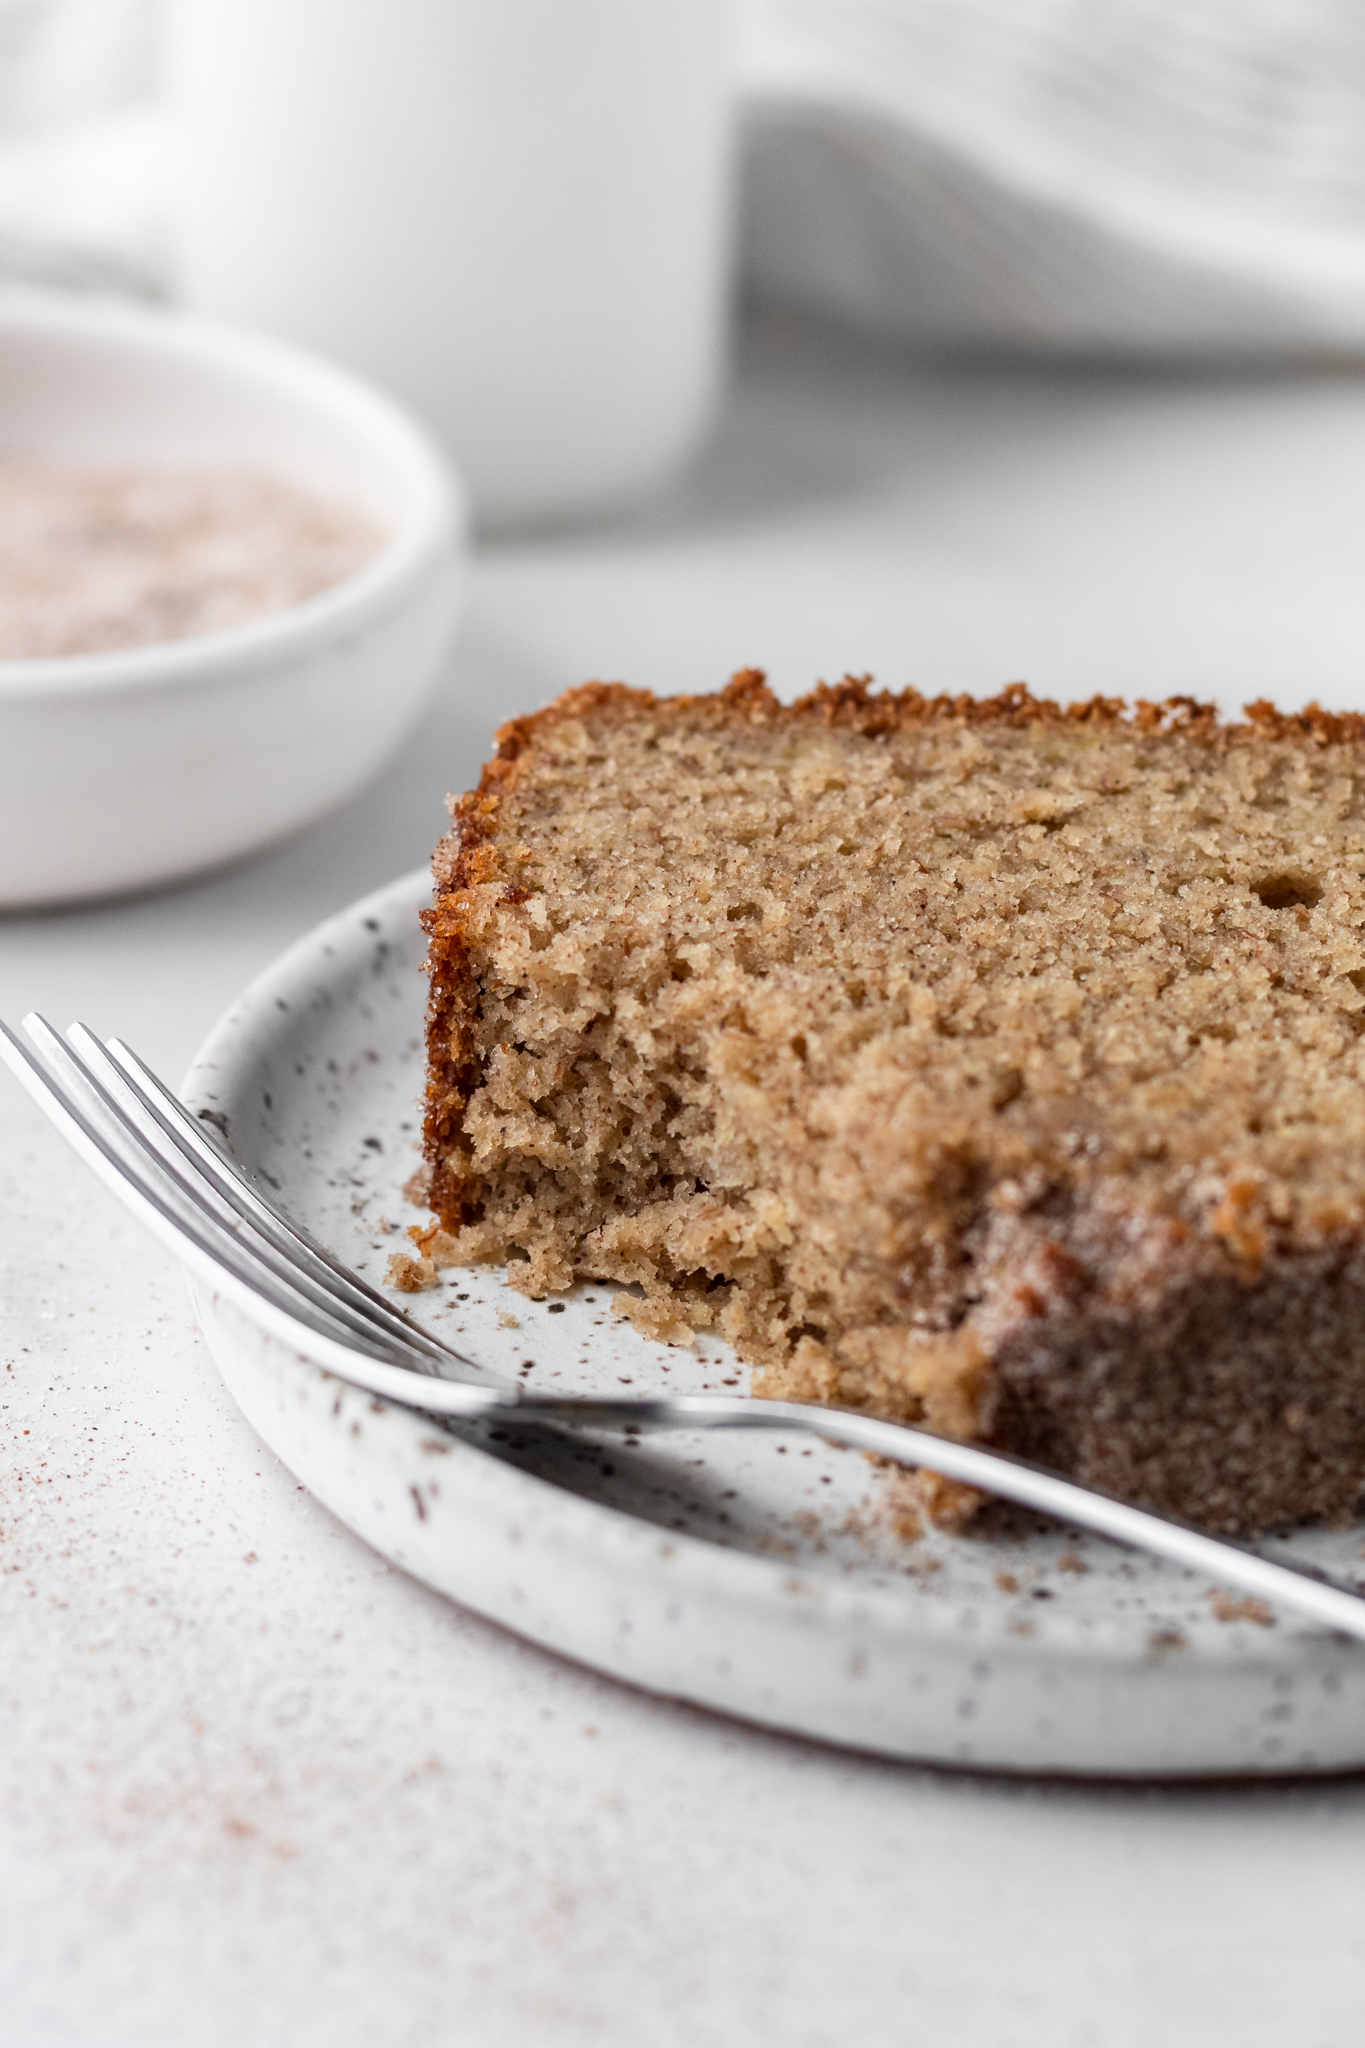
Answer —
122 769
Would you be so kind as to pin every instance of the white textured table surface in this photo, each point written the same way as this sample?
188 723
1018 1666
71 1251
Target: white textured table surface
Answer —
255 1787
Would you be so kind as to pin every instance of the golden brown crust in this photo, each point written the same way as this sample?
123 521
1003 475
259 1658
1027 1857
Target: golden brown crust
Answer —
467 857
1092 941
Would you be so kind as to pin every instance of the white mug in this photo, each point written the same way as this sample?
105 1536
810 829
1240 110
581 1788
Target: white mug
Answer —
513 213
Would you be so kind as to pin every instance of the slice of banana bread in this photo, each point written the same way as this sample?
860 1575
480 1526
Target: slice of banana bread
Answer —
988 1063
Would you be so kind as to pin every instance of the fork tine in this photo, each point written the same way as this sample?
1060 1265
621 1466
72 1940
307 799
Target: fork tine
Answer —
166 1122
147 1187
226 1264
142 1187
208 1210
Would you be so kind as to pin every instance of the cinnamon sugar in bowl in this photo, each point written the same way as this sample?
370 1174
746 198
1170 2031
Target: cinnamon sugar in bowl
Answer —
97 559
229 577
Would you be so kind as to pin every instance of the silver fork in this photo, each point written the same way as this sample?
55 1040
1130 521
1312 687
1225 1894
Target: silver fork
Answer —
163 1166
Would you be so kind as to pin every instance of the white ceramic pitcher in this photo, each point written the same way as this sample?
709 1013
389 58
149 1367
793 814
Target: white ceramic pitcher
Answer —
513 213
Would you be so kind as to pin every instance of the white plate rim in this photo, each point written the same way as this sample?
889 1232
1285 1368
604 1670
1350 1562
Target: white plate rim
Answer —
606 1542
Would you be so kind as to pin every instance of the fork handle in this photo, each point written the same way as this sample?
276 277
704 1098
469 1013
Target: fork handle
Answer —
317 1337
1224 1559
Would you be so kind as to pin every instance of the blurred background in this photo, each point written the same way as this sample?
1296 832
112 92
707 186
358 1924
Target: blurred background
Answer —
954 341
1132 178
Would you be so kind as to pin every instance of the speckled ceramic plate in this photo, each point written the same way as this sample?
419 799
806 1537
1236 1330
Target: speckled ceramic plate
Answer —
762 1577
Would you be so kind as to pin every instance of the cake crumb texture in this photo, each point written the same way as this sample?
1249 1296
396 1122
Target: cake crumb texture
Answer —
409 1275
984 1063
